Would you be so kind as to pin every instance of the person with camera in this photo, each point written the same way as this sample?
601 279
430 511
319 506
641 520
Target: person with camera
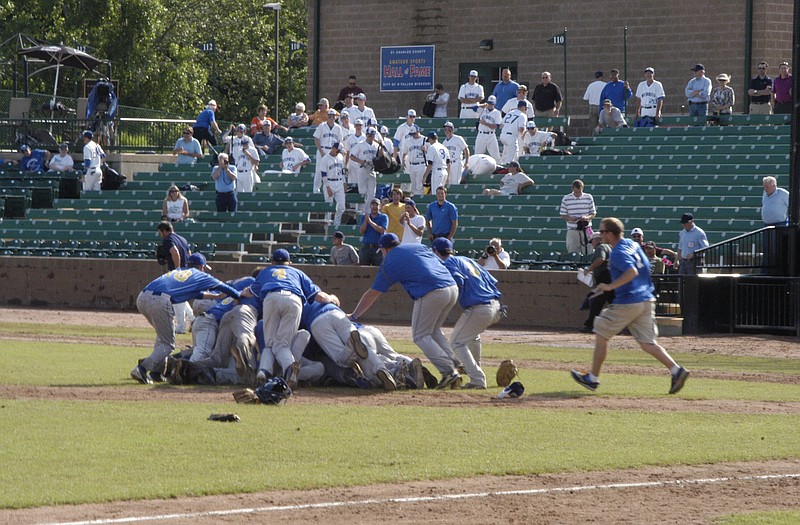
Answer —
577 210
224 177
494 257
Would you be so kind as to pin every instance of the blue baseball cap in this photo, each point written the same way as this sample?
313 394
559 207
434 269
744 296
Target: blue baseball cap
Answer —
88 134
197 259
281 256
442 245
388 240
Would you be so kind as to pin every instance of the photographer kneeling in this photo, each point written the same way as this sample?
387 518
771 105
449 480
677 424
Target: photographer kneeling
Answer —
494 256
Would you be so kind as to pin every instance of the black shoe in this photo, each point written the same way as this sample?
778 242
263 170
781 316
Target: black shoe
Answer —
583 380
678 380
429 379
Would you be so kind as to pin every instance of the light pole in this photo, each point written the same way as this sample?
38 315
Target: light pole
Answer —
276 6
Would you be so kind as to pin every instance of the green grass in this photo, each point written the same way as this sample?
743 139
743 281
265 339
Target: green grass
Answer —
57 452
761 518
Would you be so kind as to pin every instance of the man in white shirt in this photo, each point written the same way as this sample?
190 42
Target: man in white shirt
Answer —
246 165
326 134
651 96
403 131
534 140
592 96
362 155
490 120
350 142
512 130
63 161
333 181
459 153
93 158
361 110
494 256
512 182
413 224
577 206
440 100
293 159
437 158
470 95
513 103
413 157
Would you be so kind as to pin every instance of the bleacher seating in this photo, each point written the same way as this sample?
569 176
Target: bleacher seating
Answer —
647 177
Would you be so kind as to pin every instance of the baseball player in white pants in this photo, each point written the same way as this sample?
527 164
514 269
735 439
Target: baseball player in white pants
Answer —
333 181
310 371
93 158
246 166
490 120
412 153
513 127
326 134
362 154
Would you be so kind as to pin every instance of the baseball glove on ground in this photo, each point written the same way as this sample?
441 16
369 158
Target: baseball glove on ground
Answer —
230 418
246 395
506 372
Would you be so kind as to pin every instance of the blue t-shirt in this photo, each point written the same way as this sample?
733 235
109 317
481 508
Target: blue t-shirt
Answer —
226 305
441 217
617 94
313 310
504 92
193 146
185 284
173 239
284 277
372 236
628 254
415 267
224 183
475 285
33 162
205 118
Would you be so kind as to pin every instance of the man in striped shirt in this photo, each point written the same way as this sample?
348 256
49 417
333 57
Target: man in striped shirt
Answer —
577 206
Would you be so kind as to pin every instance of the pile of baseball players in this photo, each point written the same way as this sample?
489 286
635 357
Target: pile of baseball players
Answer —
232 346
278 323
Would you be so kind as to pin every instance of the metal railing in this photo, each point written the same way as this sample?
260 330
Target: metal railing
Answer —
747 253
766 303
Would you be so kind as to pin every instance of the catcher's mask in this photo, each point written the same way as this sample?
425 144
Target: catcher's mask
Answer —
515 389
274 392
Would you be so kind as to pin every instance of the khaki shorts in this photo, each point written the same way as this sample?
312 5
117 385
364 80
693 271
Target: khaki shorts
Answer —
639 318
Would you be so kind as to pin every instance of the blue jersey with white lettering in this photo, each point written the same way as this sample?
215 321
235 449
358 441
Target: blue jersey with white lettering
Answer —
185 284
415 267
313 310
475 285
284 277
625 255
226 305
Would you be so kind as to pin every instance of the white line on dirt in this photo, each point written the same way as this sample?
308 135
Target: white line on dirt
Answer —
425 499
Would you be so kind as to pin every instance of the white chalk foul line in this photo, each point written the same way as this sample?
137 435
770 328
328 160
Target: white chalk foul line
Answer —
426 499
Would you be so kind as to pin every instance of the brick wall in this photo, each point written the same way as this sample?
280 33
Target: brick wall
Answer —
670 36
535 299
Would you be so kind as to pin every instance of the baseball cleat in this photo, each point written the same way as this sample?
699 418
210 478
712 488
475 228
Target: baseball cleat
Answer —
448 380
357 345
291 375
473 386
400 377
429 379
386 378
417 374
139 373
583 380
455 385
678 380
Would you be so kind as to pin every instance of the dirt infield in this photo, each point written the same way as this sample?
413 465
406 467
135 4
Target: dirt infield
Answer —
679 494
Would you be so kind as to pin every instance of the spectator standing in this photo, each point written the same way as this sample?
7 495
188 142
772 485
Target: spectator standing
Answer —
298 119
651 96
187 148
633 307
470 95
489 121
546 97
690 239
350 89
698 91
617 91
782 91
341 253
293 159
598 267
722 96
63 161
224 177
441 217
774 203
373 224
413 224
247 159
512 182
459 153
175 207
395 209
592 97
577 206
433 290
761 91
494 256
440 100
93 158
505 89
610 117
205 127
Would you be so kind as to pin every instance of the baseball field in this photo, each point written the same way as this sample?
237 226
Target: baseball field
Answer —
80 442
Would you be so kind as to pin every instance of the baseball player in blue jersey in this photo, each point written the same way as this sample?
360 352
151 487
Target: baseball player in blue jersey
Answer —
282 290
633 307
156 302
479 297
433 291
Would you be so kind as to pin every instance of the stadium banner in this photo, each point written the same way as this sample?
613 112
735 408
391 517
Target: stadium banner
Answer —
407 68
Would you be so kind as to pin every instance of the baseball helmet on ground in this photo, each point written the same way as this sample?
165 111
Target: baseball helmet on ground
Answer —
274 392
